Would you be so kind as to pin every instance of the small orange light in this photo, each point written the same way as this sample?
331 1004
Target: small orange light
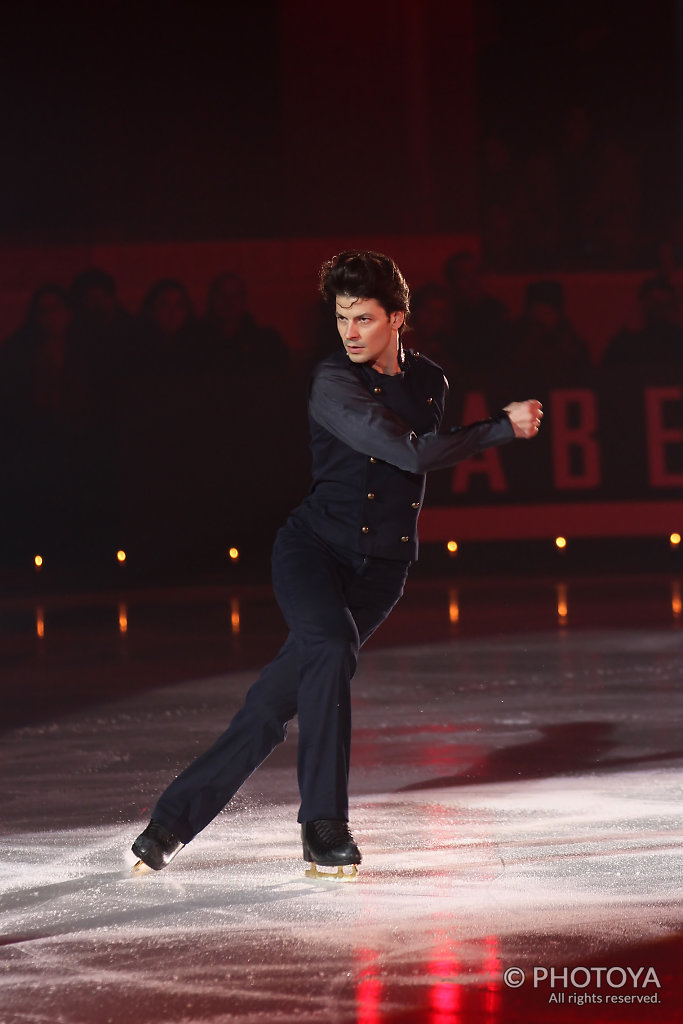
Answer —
234 554
676 602
123 618
561 542
40 623
452 547
121 555
38 561
674 539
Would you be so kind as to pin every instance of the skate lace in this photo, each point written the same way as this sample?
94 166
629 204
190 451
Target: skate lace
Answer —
333 832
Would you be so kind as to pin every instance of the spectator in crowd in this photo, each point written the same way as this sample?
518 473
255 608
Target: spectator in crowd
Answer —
430 329
102 327
235 342
544 343
322 334
479 321
36 360
166 329
659 339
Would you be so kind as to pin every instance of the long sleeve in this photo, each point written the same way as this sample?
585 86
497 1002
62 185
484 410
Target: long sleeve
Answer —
341 405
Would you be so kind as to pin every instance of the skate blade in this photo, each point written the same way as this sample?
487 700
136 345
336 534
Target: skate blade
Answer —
140 868
343 873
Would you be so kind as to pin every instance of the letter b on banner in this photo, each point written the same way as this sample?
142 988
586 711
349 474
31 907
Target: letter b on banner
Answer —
576 455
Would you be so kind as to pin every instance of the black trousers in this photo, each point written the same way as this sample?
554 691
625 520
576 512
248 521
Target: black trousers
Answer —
332 600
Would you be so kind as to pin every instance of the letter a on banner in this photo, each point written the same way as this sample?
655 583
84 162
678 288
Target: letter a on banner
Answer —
487 463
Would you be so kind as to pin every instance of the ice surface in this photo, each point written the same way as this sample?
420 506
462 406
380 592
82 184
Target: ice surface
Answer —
517 802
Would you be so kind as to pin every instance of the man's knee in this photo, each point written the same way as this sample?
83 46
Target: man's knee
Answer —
337 649
267 708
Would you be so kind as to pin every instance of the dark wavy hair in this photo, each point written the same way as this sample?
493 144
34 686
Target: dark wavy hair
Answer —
365 275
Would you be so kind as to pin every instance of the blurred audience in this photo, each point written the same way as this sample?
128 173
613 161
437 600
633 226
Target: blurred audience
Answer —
430 327
659 339
103 434
102 327
46 423
572 203
166 331
36 361
233 340
478 320
545 349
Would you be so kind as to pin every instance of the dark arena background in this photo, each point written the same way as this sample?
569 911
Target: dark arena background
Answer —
172 178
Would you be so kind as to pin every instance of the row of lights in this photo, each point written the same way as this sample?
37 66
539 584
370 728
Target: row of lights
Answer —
451 547
561 543
122 557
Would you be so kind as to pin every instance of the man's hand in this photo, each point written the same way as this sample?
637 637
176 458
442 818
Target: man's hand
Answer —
525 417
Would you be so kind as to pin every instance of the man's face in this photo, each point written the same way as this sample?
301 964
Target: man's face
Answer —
368 332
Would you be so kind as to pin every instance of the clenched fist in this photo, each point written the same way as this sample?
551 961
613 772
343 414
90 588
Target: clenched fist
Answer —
525 417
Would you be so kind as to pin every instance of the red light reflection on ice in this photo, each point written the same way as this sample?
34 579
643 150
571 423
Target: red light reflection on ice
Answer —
368 988
445 994
451 1001
492 998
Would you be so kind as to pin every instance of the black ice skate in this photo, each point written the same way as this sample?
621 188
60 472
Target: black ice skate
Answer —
156 847
329 844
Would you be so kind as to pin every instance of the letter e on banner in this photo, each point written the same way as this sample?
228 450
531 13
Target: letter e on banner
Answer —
487 463
659 436
578 438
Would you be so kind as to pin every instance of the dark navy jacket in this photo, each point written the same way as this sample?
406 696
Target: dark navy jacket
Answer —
373 438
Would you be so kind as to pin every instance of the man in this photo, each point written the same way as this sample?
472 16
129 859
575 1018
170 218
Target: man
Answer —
339 563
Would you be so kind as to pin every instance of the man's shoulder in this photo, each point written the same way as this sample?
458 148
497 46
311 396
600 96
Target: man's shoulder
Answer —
335 366
420 361
424 367
337 358
332 376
